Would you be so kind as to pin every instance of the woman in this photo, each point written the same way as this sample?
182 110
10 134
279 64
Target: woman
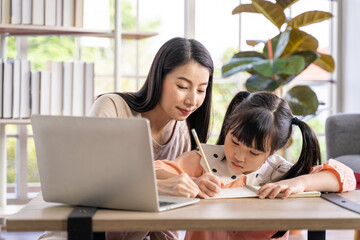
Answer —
175 98
178 88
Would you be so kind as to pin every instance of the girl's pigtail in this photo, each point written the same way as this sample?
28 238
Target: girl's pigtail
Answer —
237 99
310 152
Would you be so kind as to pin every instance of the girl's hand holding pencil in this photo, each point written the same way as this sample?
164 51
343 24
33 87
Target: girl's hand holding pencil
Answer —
209 184
208 169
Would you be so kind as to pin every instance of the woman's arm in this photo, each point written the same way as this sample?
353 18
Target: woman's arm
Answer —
178 185
188 162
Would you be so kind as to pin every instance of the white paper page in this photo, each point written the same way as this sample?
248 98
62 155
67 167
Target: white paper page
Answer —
240 192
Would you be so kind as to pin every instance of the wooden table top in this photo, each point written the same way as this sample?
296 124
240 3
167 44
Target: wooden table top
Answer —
217 214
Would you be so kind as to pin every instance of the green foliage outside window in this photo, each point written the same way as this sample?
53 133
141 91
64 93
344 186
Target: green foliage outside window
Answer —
11 143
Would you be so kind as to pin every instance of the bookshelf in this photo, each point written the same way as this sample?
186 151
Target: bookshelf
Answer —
15 121
15 30
32 30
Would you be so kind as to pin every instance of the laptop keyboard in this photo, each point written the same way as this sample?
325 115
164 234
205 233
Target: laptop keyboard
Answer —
163 203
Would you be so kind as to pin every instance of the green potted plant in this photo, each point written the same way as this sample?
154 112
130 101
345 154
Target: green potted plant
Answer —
284 56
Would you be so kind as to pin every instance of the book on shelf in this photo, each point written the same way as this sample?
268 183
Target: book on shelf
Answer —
56 88
45 89
25 89
38 14
59 12
35 92
249 191
5 11
68 88
1 87
7 89
89 87
79 13
68 13
50 12
26 12
16 11
78 88
16 88
64 89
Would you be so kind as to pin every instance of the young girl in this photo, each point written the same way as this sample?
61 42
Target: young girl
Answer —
256 126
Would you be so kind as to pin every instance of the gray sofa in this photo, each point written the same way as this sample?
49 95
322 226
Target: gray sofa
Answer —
342 133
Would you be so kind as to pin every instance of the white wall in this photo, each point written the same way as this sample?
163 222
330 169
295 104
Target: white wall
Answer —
350 73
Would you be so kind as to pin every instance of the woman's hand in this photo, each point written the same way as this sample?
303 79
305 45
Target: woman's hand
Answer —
178 185
209 184
286 187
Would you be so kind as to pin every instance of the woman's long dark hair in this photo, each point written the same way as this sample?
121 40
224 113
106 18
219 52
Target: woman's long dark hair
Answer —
174 53
261 118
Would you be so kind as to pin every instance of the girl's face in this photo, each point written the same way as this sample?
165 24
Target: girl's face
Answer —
243 159
184 90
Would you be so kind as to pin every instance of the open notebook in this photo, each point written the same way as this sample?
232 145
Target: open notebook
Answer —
250 191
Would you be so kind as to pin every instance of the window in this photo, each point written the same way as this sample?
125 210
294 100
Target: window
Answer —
221 32
322 82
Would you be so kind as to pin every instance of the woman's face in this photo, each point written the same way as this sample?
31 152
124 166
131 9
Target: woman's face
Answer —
243 159
184 90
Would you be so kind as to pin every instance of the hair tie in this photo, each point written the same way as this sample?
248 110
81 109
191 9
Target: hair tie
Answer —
295 121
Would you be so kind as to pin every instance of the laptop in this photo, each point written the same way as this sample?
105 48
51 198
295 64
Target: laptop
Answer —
99 162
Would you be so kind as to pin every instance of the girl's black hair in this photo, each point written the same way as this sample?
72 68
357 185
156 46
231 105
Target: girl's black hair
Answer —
174 53
261 119
238 98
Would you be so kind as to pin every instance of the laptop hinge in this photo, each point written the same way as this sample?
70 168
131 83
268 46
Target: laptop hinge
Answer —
79 224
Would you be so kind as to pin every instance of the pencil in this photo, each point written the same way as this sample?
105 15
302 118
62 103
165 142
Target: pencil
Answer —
201 150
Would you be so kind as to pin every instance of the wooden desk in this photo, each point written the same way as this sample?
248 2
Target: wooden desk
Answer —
226 214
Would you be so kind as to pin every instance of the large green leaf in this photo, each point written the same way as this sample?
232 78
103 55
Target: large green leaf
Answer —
284 79
249 8
238 65
268 68
246 54
309 57
272 11
300 41
286 3
258 83
264 68
302 100
281 42
292 65
308 18
254 42
326 62
278 43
